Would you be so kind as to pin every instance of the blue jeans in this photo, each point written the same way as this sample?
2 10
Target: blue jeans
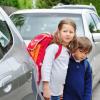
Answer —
55 98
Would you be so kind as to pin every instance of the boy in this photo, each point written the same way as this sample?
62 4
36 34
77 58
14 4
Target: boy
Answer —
78 84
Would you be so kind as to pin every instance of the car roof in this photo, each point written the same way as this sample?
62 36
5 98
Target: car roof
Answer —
76 6
70 11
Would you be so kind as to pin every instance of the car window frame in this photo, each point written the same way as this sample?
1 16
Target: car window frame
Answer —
4 48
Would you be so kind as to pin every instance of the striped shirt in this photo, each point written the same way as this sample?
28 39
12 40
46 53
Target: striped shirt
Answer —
54 71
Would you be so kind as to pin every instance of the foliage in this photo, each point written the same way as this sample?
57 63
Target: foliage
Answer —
18 20
25 4
51 3
9 3
46 3
17 3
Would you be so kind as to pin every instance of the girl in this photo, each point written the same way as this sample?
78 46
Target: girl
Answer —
54 70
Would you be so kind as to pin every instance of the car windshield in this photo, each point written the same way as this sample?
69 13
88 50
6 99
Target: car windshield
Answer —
29 25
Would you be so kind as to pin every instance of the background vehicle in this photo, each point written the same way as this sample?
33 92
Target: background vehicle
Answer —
33 22
15 64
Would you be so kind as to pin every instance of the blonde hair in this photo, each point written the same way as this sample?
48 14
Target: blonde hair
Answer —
57 40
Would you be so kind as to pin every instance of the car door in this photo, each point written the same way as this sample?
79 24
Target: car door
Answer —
6 42
16 66
94 31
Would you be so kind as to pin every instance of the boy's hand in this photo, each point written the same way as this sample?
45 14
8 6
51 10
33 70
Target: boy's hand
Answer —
46 91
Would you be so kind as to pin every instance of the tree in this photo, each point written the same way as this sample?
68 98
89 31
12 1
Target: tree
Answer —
51 3
17 3
13 3
24 4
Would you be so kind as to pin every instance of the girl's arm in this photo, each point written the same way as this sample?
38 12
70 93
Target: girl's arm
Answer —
88 83
47 68
46 90
48 62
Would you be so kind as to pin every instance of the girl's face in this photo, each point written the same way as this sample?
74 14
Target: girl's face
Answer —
66 34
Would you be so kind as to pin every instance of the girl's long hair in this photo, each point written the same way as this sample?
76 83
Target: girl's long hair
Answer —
73 44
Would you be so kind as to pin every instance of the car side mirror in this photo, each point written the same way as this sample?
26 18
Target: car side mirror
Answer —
96 37
1 51
98 26
95 29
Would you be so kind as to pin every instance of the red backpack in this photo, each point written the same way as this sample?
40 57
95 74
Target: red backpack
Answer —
37 47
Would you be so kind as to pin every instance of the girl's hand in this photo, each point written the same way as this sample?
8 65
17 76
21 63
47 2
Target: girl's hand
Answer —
46 91
61 97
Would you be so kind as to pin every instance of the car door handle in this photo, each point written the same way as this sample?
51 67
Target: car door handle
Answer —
5 84
5 80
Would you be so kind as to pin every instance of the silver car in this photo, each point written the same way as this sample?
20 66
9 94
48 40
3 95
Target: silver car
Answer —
35 21
16 66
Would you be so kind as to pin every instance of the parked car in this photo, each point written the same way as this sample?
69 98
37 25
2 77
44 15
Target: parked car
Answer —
16 66
35 21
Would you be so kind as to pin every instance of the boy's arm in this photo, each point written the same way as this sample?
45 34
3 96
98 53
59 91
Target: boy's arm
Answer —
88 83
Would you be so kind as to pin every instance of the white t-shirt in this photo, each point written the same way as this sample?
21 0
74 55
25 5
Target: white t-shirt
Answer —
54 70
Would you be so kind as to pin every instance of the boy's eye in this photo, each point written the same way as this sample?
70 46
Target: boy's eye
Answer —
85 52
81 50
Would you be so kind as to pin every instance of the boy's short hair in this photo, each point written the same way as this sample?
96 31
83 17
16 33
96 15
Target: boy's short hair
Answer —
84 44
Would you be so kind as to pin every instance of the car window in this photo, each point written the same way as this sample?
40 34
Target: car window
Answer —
92 21
5 37
96 20
30 25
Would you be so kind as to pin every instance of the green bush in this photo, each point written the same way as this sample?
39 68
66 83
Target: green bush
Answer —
21 4
25 4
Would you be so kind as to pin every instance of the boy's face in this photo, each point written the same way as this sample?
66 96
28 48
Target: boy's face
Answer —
80 54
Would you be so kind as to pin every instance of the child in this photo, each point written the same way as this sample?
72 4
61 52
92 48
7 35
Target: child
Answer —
54 70
78 85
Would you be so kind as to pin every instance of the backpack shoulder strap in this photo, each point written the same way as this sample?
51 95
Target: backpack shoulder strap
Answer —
86 65
58 52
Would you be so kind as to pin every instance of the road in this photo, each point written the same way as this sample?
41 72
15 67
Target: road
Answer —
96 93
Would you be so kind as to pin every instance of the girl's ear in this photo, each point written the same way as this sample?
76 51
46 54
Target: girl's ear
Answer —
57 33
57 30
